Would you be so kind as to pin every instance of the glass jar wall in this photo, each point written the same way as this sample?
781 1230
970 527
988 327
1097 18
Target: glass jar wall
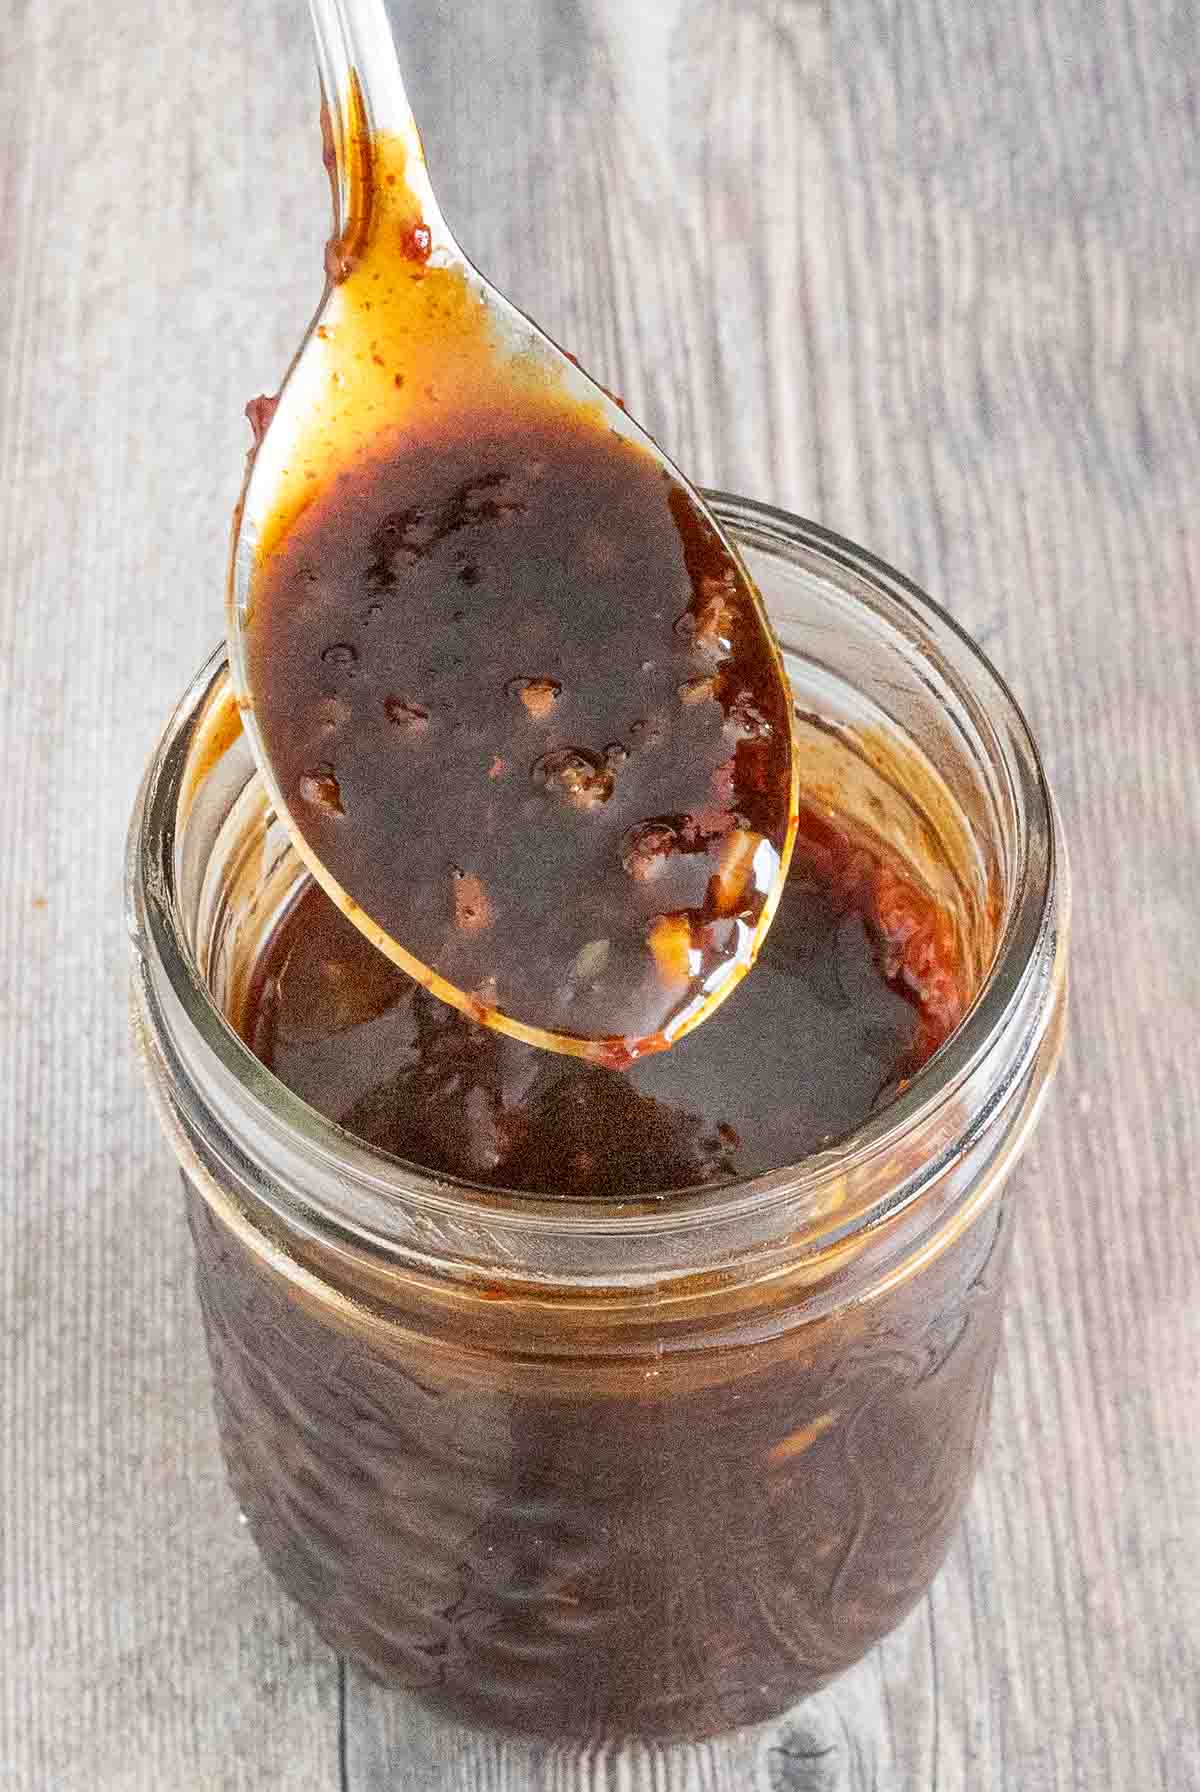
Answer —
660 1466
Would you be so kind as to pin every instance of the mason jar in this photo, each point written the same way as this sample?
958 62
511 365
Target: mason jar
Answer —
652 1467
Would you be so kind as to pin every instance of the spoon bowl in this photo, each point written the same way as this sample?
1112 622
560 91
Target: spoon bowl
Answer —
510 688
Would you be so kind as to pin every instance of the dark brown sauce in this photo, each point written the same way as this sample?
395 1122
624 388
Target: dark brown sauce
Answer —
517 694
517 700
854 988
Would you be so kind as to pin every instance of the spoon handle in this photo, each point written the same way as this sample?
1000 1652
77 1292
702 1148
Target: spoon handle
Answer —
364 93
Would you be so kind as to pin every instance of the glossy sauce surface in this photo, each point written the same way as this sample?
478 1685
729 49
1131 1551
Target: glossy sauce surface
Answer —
856 985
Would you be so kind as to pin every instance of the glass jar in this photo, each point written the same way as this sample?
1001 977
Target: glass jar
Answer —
654 1468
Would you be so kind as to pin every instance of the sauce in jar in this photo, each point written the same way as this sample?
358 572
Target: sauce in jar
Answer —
527 1534
856 985
655 1444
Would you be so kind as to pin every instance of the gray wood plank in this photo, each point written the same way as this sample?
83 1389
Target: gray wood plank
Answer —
927 272
143 1647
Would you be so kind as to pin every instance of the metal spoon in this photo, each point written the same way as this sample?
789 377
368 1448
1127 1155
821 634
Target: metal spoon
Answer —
603 902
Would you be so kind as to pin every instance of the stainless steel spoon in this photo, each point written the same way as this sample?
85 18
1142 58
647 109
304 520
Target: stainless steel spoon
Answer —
409 336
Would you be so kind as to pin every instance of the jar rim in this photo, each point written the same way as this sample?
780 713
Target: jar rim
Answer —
367 1181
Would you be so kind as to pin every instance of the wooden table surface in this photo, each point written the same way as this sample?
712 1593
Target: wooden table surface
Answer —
926 270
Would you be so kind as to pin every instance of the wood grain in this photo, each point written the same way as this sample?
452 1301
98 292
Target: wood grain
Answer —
925 271
142 1643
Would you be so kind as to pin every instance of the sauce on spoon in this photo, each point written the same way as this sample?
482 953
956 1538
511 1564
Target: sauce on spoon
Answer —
517 695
